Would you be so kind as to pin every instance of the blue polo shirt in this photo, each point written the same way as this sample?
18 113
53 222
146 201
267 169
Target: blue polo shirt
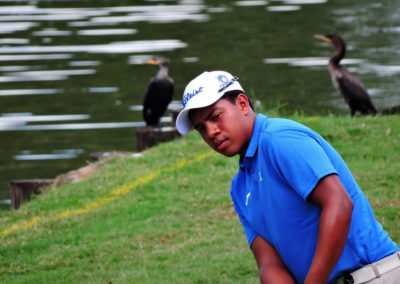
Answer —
283 164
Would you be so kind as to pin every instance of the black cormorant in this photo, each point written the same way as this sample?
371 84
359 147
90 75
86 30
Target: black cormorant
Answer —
350 87
158 94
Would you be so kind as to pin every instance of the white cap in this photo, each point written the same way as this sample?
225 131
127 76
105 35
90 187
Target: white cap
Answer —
202 91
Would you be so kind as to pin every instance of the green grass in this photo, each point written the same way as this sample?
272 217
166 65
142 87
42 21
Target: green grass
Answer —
176 224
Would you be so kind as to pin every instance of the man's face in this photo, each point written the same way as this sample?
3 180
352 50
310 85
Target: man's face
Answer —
222 126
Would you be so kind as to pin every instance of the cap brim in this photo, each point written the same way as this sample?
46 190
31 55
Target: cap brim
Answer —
183 124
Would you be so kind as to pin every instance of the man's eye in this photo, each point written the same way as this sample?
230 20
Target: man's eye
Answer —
217 116
200 128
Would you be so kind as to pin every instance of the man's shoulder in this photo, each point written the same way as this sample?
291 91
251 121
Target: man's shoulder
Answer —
280 128
281 124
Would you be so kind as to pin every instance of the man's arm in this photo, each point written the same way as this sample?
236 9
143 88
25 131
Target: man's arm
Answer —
334 226
271 268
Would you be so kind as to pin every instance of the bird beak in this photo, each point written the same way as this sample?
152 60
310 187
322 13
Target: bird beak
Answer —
152 62
321 37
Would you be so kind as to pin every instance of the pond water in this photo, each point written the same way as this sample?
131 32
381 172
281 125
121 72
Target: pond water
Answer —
72 82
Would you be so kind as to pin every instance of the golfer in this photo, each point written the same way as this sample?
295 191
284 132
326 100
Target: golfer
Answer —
305 218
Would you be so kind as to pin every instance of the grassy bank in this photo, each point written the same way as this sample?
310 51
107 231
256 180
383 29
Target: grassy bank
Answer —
166 217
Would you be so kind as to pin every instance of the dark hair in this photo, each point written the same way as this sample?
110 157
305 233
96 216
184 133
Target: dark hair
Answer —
232 95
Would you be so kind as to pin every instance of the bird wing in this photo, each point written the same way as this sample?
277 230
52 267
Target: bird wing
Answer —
160 91
355 94
157 97
352 87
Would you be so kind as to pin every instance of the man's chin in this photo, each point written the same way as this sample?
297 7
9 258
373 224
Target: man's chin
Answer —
226 153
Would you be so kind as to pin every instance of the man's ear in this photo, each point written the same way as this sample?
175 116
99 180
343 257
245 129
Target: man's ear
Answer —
243 103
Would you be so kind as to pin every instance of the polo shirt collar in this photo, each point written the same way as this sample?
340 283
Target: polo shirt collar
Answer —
253 145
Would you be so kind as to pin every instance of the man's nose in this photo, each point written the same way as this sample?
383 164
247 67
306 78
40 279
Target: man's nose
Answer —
212 129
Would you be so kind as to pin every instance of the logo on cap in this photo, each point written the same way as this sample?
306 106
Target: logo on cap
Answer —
188 96
223 81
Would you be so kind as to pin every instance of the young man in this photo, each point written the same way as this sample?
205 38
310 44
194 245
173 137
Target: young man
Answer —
304 216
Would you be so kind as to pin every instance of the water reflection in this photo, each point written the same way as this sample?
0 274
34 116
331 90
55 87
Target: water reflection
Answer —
300 2
12 57
151 14
77 126
103 32
56 155
287 8
51 75
251 3
113 47
103 89
191 59
380 70
216 9
24 92
160 17
7 79
22 118
31 12
308 61
174 104
17 68
392 30
84 63
18 121
9 28
13 40
5 202
54 73
52 32
384 70
139 59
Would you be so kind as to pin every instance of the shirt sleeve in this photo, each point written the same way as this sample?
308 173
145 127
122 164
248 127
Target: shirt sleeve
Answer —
298 158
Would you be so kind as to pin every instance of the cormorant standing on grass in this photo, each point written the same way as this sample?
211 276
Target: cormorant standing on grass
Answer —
158 94
350 87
